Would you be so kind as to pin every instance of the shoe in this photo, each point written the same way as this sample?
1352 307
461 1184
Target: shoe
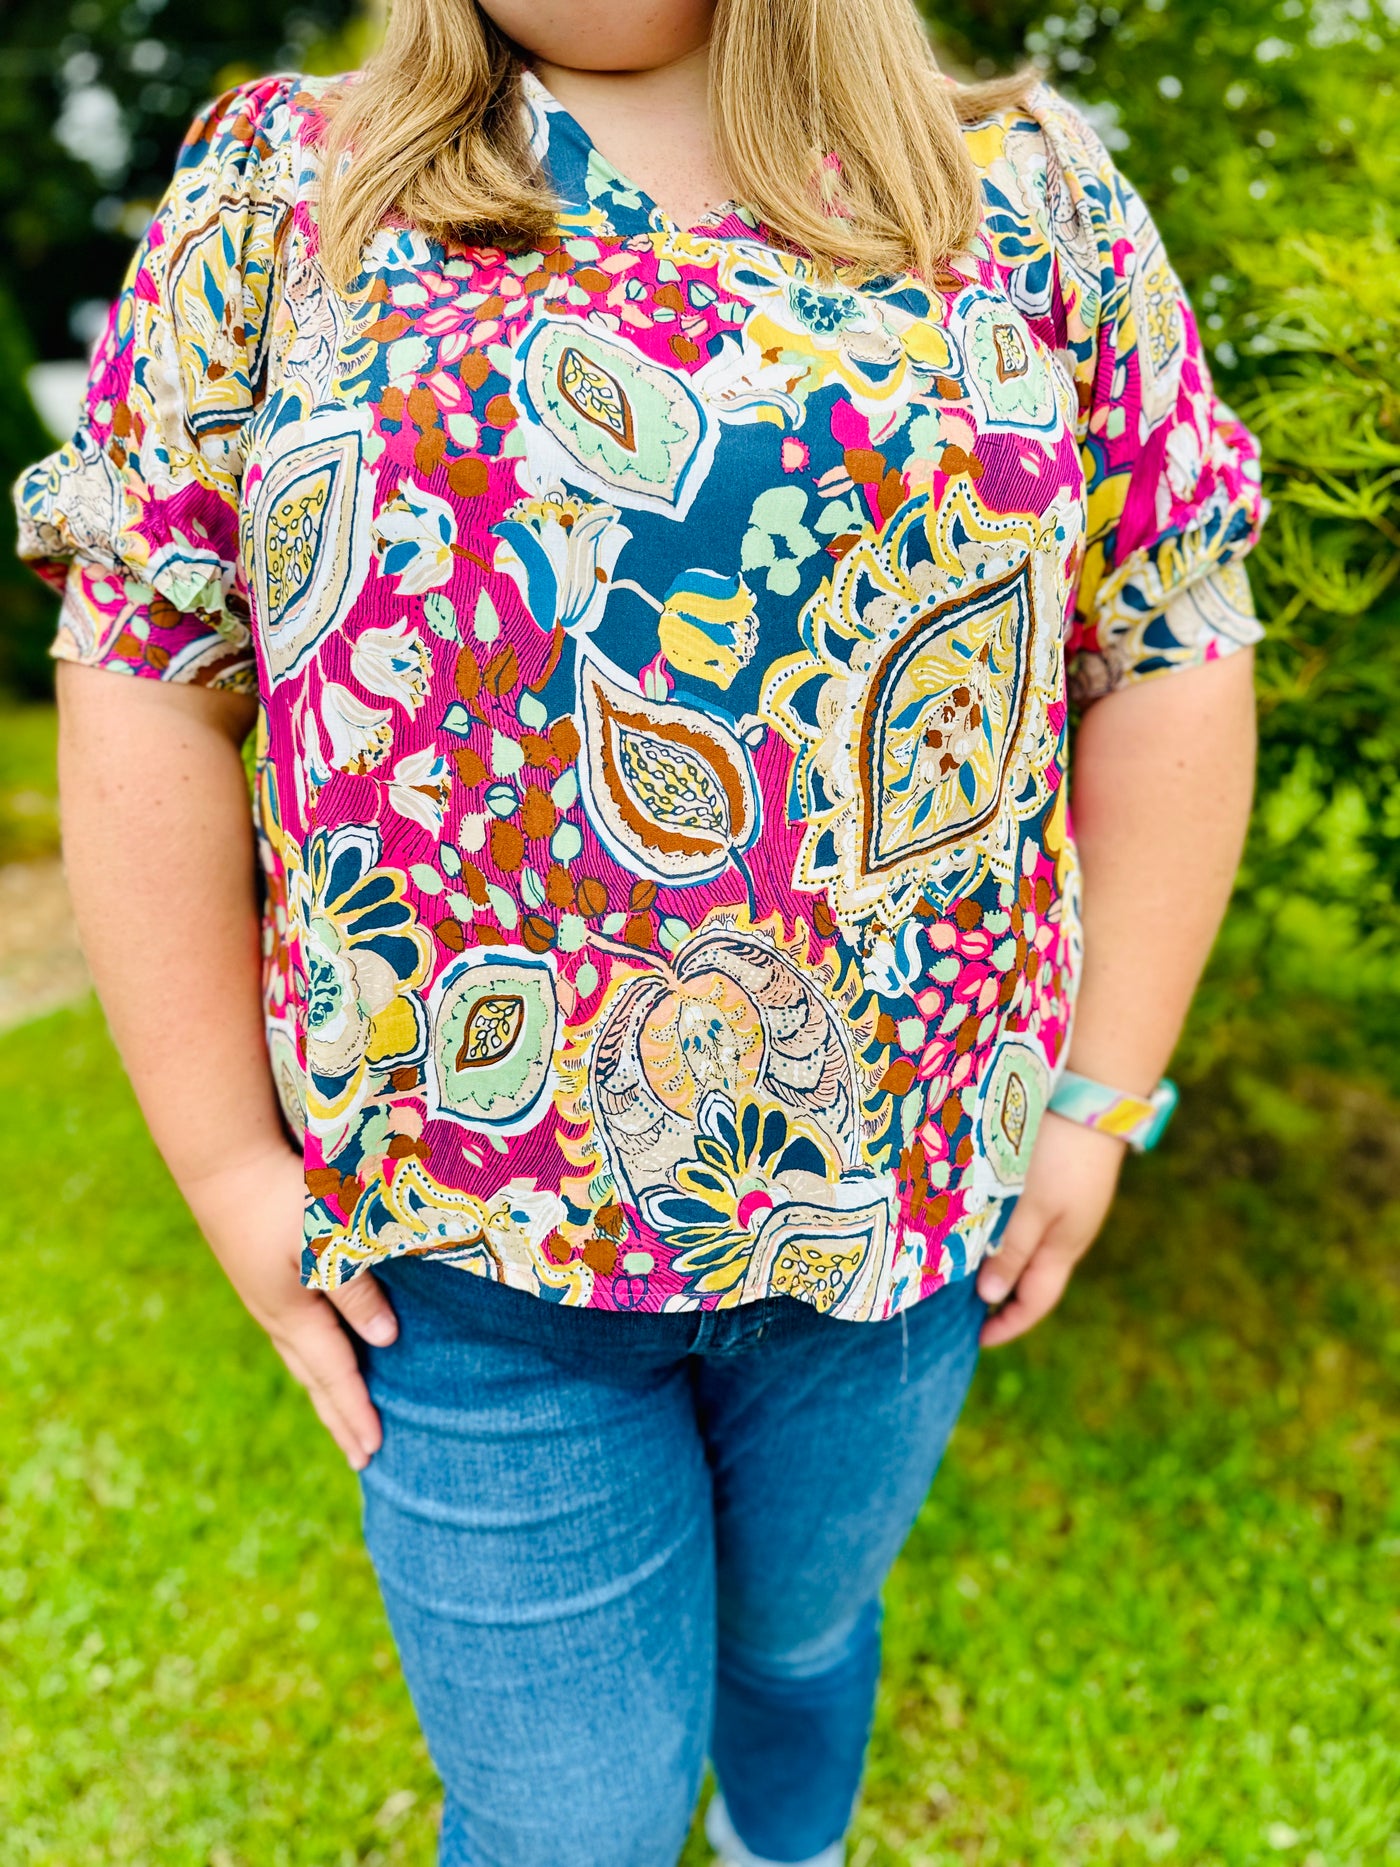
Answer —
720 1833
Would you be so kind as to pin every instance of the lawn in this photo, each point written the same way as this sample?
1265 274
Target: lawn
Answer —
1149 1615
28 782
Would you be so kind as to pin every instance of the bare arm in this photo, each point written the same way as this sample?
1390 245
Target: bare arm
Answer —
159 852
1162 777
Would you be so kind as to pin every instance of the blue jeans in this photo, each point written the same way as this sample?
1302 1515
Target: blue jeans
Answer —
610 1544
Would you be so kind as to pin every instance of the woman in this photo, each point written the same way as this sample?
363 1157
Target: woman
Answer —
654 475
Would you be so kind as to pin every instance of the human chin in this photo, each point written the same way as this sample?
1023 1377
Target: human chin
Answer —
620 35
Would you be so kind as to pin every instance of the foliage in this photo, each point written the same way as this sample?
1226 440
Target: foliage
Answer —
26 609
1147 1615
95 96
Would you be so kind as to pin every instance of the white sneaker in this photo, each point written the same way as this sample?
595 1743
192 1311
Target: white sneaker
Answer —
719 1832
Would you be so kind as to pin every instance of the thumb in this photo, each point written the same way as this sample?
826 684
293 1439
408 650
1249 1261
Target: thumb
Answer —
364 1305
1024 1232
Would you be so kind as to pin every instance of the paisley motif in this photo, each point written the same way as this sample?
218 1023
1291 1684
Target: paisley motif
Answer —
223 359
943 710
831 1252
669 789
1013 1100
1161 327
669 891
500 1237
308 521
729 1014
1013 386
495 1017
597 413
596 396
920 712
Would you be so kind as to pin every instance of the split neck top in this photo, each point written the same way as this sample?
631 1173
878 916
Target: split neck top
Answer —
665 662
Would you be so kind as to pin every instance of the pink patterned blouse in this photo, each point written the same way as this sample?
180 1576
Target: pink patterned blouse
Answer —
664 664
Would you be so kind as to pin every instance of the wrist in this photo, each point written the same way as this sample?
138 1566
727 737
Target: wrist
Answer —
1124 1067
239 1176
1139 1121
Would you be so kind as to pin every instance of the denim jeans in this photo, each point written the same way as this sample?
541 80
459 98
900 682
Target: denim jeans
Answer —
611 1544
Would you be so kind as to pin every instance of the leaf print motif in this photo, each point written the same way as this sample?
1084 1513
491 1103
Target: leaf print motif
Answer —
597 396
669 781
668 789
492 1029
495 1017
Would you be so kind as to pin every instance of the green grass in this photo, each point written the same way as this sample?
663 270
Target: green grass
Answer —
1149 1615
28 782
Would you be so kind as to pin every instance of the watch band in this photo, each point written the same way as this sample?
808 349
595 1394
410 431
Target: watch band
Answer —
1138 1120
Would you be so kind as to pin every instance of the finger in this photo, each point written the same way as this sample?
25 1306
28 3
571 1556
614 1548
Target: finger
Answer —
320 1355
1000 1273
1039 1289
365 1305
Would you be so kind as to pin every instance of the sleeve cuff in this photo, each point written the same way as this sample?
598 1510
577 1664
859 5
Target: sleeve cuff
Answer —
1205 621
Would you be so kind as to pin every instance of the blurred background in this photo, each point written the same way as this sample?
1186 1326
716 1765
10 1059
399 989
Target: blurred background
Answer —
1151 1613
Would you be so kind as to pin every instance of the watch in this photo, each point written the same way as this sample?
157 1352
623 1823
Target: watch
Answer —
1139 1120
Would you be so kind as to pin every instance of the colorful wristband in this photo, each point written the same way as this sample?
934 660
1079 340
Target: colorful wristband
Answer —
1138 1120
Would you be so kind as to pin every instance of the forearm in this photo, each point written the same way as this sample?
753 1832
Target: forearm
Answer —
159 851
158 843
1161 780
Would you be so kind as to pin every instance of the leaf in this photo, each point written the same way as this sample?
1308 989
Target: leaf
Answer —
531 711
457 719
440 614
467 675
502 906
501 675
564 791
507 758
486 621
668 789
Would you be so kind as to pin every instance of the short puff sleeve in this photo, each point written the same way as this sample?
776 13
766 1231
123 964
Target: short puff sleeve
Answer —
135 520
1173 481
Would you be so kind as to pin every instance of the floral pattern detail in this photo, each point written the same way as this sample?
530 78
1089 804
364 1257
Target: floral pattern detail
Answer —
736 1208
664 662
707 627
415 534
364 957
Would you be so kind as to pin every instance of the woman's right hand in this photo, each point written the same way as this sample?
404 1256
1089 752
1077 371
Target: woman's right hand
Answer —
251 1215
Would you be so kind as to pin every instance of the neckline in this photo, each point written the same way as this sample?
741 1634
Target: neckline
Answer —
712 223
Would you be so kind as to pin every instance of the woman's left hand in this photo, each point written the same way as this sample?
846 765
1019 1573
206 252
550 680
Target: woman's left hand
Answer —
1069 1189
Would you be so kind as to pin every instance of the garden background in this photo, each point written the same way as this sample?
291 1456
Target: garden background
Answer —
1150 1613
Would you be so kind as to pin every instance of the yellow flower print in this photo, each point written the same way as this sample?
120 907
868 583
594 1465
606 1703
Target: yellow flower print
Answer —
707 627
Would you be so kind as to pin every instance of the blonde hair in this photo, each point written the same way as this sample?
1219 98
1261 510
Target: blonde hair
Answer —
433 131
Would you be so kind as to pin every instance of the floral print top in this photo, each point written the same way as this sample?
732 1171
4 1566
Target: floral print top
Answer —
665 663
